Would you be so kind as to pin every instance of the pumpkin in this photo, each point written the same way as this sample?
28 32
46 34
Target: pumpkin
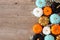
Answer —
40 3
54 18
43 20
55 29
38 37
47 10
38 12
55 7
37 28
58 37
46 30
49 37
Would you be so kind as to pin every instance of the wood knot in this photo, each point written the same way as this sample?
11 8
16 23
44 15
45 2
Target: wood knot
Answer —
15 3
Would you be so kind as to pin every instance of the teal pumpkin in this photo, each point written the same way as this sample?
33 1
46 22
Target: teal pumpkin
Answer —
49 37
54 18
40 3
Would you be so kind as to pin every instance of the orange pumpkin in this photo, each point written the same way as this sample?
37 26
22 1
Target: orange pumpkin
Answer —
37 28
47 10
55 29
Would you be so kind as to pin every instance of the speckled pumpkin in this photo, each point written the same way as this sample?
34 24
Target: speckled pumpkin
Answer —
38 37
43 20
58 37
37 28
55 7
55 29
47 10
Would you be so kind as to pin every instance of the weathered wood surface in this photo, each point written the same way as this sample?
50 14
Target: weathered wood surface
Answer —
16 19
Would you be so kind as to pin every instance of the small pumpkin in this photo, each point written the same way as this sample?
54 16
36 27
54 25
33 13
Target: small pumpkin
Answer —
37 28
38 37
55 7
40 3
55 29
43 20
54 18
47 10
49 37
38 12
58 37
46 30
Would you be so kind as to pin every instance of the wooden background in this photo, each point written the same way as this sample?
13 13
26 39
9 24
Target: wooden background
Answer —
16 19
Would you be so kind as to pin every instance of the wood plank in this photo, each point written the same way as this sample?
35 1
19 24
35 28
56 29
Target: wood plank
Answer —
16 19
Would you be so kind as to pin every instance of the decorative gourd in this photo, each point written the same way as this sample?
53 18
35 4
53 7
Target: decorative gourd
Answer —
40 3
44 10
58 37
46 30
43 20
54 18
47 10
37 28
38 37
55 29
49 37
38 12
55 7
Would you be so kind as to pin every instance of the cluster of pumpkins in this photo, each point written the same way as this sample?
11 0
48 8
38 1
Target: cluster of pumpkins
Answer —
48 26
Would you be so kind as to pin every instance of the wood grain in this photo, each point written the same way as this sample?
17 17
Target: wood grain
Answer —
16 19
